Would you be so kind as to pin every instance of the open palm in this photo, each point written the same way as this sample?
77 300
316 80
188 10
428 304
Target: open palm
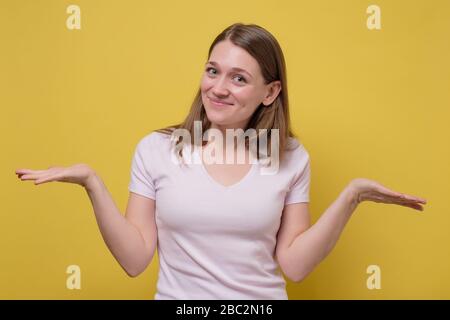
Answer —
78 174
369 190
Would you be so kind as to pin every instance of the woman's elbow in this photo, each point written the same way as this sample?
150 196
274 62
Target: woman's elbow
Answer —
297 278
297 275
133 272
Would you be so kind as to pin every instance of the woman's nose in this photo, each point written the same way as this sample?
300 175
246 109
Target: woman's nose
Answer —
220 88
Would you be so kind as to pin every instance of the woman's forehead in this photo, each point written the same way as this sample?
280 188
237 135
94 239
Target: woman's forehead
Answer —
227 55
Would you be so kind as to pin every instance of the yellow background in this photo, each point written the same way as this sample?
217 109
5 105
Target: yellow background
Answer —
371 104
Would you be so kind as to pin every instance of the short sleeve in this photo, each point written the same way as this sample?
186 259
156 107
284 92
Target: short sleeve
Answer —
299 190
141 181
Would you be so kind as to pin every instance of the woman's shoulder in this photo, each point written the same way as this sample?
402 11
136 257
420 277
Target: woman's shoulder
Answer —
153 142
295 149
294 143
156 137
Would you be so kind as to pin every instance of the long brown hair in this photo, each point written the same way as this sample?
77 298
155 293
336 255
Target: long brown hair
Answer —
263 46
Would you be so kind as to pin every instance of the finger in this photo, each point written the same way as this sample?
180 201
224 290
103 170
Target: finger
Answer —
28 171
394 200
393 193
413 198
25 170
403 196
45 179
21 170
382 189
41 181
26 177
408 202
49 178
412 205
31 176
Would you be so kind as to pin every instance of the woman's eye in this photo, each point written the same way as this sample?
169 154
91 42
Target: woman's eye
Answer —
241 77
208 69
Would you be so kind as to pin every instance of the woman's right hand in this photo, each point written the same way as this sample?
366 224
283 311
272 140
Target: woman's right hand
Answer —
78 174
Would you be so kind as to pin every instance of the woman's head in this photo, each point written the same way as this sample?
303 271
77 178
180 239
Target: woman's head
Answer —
245 69
234 77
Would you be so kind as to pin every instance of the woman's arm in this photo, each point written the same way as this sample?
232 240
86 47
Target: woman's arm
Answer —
301 248
131 239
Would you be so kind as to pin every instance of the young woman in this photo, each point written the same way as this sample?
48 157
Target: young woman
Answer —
224 230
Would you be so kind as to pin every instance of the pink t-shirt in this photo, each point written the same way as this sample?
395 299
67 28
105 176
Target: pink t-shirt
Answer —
216 241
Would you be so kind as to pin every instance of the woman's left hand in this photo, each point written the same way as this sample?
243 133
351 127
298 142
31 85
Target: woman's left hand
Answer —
369 190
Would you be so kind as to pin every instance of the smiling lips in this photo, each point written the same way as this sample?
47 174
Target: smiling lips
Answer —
219 103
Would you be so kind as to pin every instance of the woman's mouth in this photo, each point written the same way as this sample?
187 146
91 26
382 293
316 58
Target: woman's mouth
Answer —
219 103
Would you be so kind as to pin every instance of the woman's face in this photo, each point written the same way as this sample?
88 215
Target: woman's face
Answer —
233 87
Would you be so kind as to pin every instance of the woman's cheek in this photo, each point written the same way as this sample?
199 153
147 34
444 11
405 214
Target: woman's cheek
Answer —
205 83
242 95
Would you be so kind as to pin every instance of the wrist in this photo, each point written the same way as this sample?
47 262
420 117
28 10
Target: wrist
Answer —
352 194
91 181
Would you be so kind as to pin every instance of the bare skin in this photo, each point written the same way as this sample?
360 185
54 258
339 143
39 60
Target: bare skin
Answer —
367 190
131 238
300 247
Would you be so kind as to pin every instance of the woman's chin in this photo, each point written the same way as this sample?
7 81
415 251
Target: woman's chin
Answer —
218 122
217 117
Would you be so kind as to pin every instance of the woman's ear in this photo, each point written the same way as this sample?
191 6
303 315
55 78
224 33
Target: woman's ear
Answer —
273 89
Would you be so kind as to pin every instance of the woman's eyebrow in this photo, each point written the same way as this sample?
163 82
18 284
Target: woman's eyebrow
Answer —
235 68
